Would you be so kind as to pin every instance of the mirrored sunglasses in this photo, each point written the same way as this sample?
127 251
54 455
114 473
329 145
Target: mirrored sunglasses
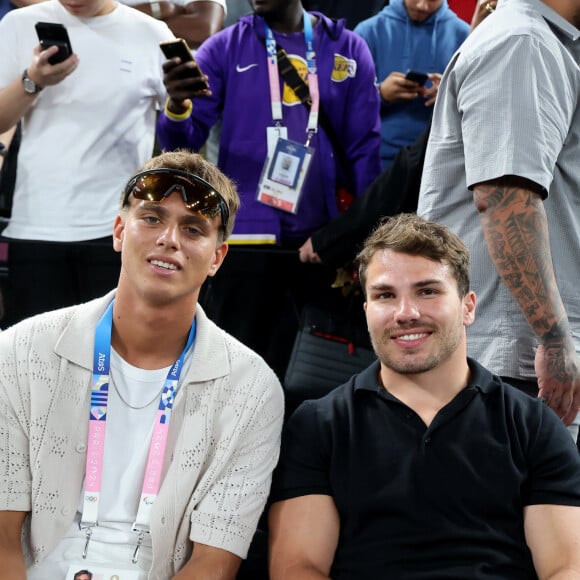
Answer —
198 195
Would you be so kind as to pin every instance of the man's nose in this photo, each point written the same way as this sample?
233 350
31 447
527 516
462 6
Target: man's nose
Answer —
406 309
169 236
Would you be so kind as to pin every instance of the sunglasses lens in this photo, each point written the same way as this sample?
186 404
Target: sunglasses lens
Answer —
199 196
203 201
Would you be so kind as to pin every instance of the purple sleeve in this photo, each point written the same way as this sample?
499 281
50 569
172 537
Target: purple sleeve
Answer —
361 132
192 133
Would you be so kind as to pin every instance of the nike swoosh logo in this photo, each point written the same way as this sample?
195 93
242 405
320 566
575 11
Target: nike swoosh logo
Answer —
245 68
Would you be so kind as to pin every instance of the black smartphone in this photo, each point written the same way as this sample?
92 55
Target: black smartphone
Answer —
53 34
178 47
417 77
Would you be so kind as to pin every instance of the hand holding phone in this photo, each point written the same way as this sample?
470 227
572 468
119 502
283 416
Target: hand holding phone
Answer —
53 34
179 48
417 77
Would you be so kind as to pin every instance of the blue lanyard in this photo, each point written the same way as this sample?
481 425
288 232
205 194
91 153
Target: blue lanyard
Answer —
98 420
102 367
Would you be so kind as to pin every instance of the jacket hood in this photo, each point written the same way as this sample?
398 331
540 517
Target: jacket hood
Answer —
396 10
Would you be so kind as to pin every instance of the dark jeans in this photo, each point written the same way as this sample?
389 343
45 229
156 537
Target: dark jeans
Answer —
44 276
258 294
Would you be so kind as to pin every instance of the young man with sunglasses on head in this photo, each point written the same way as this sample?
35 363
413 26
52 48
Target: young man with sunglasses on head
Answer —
138 438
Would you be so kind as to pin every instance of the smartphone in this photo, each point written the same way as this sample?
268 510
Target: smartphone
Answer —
178 47
417 77
52 34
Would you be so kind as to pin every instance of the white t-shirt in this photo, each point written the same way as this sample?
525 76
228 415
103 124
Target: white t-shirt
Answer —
128 435
84 137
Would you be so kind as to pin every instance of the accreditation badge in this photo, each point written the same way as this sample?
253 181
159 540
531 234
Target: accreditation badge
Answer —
283 175
101 572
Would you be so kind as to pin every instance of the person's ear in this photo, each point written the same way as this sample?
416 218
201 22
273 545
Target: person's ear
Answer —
118 230
469 302
218 258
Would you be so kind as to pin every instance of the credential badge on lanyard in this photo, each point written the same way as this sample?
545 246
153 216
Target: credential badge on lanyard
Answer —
287 164
97 428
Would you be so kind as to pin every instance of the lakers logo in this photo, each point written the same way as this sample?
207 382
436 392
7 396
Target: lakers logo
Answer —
289 97
344 68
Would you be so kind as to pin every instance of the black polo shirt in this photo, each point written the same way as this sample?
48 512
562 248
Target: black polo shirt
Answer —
441 502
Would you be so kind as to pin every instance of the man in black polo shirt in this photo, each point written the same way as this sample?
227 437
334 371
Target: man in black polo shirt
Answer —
425 465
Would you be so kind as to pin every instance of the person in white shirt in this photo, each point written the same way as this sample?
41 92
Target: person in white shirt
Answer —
138 439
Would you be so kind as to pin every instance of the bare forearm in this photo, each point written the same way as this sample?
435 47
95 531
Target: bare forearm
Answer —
11 559
12 567
194 23
298 573
569 574
516 232
209 563
194 30
14 104
202 572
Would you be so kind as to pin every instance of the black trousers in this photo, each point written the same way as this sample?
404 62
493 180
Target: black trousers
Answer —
257 296
44 276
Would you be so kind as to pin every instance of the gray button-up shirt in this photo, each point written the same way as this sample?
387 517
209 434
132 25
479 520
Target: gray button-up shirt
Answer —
508 105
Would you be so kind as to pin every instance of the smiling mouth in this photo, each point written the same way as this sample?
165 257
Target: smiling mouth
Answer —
415 336
165 265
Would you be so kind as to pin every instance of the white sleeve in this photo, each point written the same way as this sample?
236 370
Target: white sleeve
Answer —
227 516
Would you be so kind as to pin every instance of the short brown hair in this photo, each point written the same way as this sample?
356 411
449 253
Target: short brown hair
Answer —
409 234
185 160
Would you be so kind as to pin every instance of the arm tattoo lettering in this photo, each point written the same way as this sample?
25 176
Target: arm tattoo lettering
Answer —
515 228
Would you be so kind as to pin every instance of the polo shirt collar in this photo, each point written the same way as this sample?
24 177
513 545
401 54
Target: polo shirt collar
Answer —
480 378
367 380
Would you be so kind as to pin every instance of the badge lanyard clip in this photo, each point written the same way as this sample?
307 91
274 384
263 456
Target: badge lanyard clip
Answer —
88 539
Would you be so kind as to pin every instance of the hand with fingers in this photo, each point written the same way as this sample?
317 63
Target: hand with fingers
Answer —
184 81
396 87
483 9
45 74
307 254
558 370
430 92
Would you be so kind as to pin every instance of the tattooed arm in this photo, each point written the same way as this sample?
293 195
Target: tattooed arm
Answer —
516 232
